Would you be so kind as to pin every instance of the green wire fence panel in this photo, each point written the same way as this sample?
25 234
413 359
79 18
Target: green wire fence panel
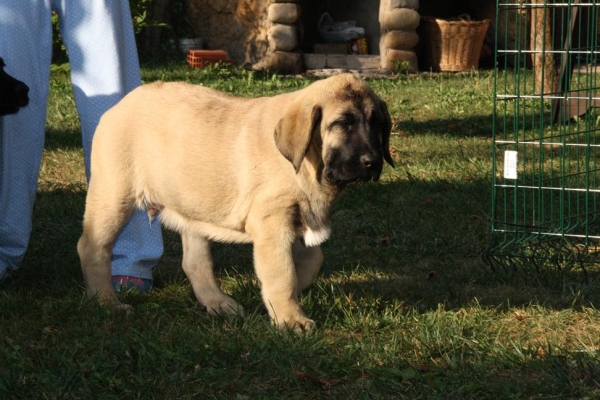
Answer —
546 141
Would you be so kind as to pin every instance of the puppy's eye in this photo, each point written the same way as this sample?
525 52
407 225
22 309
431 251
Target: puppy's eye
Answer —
348 121
344 125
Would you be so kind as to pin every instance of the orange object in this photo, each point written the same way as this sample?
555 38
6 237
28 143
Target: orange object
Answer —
203 58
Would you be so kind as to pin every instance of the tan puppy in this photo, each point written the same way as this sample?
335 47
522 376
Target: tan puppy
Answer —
220 168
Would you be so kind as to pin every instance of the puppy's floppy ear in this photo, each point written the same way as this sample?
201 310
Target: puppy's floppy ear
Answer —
294 131
386 130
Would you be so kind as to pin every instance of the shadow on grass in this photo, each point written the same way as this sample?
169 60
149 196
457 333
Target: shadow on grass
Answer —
63 140
412 242
420 243
51 264
474 126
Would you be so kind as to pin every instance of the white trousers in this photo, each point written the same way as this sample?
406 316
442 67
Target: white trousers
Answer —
98 35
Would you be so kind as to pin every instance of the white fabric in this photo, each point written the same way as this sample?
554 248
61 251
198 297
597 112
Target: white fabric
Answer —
98 35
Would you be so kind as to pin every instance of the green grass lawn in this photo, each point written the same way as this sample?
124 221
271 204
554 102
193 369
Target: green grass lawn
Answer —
404 306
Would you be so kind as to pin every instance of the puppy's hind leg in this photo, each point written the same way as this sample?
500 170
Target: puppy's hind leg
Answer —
198 267
107 210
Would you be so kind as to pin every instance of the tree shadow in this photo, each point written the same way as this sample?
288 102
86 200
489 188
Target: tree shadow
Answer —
474 126
63 140
421 244
409 241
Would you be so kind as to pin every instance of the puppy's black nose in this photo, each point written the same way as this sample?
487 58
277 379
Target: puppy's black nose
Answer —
367 160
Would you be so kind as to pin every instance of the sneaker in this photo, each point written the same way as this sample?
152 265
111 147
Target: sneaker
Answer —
122 283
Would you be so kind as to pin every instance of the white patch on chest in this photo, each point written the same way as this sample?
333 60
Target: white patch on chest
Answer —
315 238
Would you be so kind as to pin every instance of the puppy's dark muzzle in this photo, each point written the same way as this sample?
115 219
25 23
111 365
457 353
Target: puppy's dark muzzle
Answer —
364 167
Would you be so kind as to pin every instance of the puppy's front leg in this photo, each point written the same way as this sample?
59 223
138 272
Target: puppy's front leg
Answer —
198 267
276 271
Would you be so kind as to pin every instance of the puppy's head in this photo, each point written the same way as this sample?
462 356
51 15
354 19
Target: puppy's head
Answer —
342 127
13 93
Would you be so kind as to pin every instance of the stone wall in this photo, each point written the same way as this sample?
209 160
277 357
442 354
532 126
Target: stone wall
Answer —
283 36
399 20
238 27
258 33
271 34
268 34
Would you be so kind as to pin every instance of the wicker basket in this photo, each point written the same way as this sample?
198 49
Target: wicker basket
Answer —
451 46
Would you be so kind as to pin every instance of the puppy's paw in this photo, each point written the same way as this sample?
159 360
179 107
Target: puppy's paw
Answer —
115 305
112 306
108 299
121 307
225 305
299 325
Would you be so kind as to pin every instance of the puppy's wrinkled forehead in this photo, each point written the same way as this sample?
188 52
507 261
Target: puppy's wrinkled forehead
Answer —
353 94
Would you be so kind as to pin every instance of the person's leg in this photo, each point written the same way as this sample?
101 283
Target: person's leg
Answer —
99 39
26 47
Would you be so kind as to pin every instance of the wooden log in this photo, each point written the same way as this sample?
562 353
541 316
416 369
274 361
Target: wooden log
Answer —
284 13
282 37
401 40
541 43
401 19
414 4
281 62
395 57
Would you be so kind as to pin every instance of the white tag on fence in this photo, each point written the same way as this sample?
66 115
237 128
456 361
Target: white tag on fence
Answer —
510 164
